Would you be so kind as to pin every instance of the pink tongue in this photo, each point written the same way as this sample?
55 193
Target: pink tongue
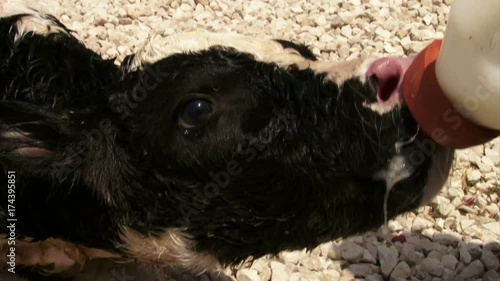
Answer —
389 74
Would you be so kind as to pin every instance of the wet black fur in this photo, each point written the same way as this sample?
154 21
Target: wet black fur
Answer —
302 152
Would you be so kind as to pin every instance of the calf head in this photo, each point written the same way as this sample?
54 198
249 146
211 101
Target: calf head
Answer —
203 149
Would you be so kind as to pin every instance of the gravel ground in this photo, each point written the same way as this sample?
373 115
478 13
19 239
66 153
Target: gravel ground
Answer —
456 237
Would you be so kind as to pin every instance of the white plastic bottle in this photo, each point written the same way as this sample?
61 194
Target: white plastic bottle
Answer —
452 87
468 66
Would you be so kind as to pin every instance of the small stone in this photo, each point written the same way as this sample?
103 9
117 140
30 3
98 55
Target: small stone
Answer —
374 277
432 266
446 239
410 255
492 246
125 21
320 20
489 260
76 26
296 9
291 256
360 270
384 34
449 261
307 274
329 275
389 48
346 31
418 273
326 38
395 226
445 209
491 275
439 224
420 224
424 245
401 271
448 274
278 271
368 257
388 259
312 262
334 252
347 275
473 177
295 277
343 51
100 18
475 250
247 275
352 252
473 270
406 42
467 223
493 209
427 19
429 232
493 227
434 254
465 256
421 34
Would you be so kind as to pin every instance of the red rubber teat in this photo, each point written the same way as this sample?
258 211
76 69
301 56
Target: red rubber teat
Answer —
431 108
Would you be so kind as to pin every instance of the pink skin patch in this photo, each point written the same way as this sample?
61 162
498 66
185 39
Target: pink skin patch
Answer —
34 152
388 76
27 151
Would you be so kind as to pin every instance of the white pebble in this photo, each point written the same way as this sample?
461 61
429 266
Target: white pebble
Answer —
291 257
473 177
247 275
449 261
465 256
360 270
473 270
420 224
401 272
432 266
278 271
489 260
491 275
384 34
352 252
388 258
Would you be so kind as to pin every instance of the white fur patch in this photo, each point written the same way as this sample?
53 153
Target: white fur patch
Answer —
339 72
265 50
34 21
172 248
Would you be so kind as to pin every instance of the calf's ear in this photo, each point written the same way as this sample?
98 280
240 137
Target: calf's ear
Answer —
63 146
33 136
29 132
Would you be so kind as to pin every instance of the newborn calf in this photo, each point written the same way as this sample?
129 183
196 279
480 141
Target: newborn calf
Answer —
200 150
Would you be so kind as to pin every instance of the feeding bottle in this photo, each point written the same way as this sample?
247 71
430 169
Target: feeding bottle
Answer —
452 87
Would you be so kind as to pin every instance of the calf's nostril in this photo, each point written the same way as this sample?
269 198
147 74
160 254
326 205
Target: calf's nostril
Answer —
385 75
387 87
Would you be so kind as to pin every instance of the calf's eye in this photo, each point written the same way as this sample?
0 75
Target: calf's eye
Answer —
195 113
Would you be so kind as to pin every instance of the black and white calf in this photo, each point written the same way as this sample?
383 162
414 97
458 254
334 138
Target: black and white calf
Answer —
200 150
